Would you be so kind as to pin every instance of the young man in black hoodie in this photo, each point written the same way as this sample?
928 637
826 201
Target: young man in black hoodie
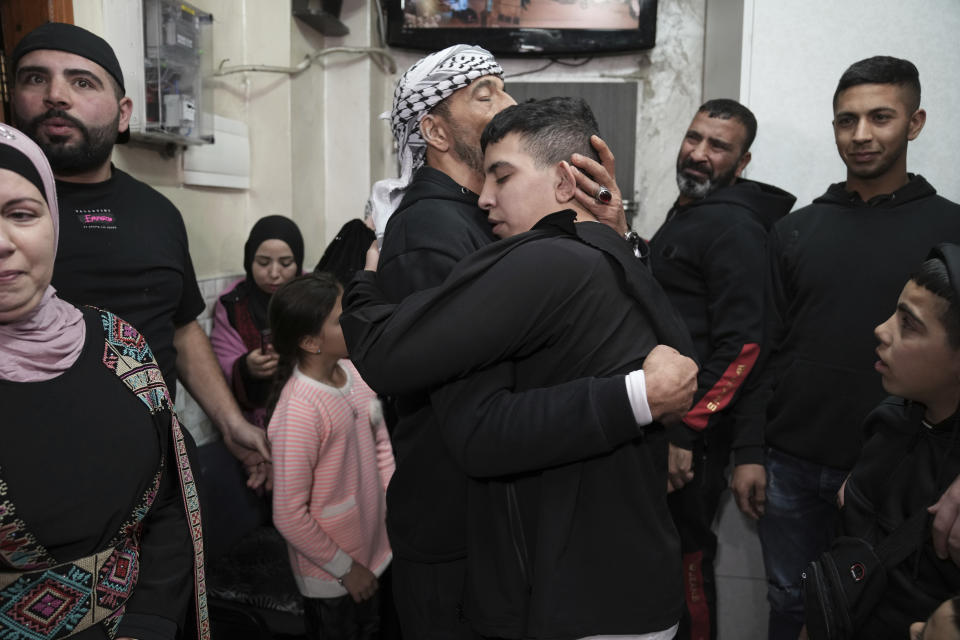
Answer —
836 264
710 256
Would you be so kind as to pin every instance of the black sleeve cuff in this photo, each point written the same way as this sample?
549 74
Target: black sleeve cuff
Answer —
241 370
748 455
680 435
613 409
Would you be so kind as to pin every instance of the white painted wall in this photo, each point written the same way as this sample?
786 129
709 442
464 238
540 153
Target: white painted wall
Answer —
794 52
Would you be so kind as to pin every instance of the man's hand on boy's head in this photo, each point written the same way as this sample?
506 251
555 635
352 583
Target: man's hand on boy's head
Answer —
946 523
603 175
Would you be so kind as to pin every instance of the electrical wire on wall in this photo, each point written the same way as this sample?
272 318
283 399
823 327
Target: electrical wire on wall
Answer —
553 61
380 57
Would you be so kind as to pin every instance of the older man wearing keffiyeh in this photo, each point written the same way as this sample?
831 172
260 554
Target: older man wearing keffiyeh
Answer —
426 84
427 220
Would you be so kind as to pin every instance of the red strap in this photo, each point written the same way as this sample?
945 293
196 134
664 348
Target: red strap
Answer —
695 596
718 398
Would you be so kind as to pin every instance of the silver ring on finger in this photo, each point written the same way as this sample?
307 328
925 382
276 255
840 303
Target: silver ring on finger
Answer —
603 195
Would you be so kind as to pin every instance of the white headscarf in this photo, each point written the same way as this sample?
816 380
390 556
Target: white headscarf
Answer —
426 83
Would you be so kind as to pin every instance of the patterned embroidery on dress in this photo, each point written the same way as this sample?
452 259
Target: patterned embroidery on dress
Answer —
19 549
47 604
117 578
192 502
111 624
126 353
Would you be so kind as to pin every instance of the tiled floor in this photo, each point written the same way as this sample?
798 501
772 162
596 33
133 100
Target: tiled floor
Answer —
741 586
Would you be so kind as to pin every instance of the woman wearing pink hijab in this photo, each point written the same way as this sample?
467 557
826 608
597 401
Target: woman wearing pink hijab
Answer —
99 522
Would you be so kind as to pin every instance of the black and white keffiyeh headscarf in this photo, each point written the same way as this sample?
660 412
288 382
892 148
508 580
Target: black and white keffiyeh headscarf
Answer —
426 83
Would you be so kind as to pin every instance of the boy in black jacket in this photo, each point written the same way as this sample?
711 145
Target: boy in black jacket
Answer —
913 449
835 264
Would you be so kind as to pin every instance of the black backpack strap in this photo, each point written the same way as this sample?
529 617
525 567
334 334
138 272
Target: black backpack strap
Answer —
903 540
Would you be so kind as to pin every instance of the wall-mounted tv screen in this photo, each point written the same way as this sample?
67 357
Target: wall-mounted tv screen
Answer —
523 27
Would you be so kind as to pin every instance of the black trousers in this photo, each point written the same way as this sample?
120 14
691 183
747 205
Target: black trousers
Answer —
342 618
429 600
694 509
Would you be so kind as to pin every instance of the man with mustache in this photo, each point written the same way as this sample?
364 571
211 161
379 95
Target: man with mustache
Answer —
123 246
835 266
710 257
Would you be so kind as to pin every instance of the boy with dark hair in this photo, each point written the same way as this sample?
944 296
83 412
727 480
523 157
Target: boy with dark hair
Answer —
571 123
834 265
883 70
913 449
569 534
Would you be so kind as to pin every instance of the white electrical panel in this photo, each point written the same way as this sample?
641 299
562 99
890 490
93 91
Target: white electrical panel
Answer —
165 49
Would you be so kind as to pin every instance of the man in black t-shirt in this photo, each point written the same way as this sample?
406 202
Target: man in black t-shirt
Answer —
123 246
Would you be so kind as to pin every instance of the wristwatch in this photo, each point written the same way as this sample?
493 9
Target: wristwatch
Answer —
636 243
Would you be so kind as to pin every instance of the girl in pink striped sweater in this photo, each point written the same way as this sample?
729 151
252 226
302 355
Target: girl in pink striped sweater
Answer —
332 461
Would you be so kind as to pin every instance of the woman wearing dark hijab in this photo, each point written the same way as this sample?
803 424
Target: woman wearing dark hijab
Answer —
99 523
272 255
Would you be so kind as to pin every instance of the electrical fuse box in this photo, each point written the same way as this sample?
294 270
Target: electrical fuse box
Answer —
177 39
165 48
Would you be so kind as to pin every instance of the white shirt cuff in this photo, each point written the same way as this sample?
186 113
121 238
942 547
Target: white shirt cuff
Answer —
340 565
637 394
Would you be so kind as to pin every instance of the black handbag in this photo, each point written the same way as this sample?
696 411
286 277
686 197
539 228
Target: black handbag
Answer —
843 586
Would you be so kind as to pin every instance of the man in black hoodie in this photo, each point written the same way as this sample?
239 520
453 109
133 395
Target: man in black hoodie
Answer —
710 256
836 264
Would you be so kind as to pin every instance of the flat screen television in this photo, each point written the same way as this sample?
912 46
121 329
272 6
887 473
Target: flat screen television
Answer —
523 28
